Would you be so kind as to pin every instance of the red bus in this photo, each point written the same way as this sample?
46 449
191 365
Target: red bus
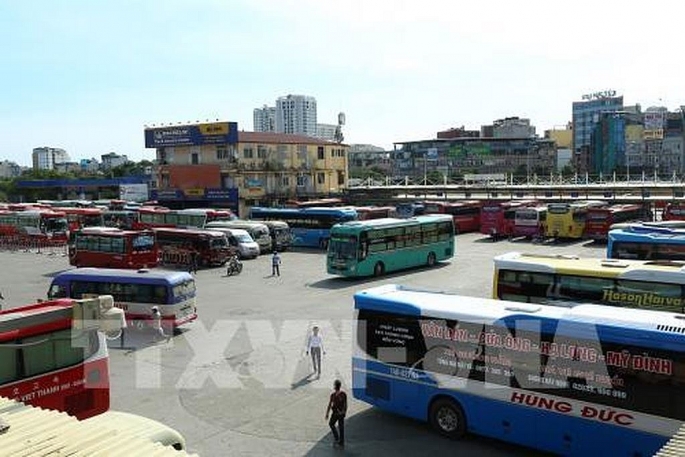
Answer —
159 216
79 218
466 214
41 224
497 219
674 211
365 213
108 247
599 219
177 245
54 356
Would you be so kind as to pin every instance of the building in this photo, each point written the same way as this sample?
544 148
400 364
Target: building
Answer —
366 158
264 119
562 136
45 158
512 127
112 160
296 115
90 165
216 165
586 114
326 131
9 169
68 167
459 132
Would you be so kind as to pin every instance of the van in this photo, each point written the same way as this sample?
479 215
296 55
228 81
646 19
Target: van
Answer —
242 241
258 231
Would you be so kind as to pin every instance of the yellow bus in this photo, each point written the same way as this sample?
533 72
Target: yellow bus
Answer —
567 280
567 220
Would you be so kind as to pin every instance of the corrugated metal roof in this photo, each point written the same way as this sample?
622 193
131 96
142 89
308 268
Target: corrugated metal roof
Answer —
39 432
675 446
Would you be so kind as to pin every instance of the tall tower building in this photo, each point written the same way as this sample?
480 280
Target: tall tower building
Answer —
264 119
296 114
45 158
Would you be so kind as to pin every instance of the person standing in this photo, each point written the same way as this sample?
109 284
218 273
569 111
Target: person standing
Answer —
337 404
157 324
194 261
315 348
275 264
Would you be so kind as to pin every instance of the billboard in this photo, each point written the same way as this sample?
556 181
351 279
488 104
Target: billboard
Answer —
653 134
654 120
192 135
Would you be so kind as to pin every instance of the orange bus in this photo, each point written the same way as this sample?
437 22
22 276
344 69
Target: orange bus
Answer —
599 220
466 213
177 245
108 247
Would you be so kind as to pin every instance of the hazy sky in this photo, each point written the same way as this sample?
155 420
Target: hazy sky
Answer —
87 75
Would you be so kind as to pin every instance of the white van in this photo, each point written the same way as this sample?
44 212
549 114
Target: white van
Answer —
258 231
242 241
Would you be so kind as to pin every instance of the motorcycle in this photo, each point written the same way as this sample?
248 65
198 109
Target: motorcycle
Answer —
234 266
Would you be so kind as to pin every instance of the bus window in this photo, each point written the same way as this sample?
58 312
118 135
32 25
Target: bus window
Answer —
524 286
583 288
652 295
57 291
8 364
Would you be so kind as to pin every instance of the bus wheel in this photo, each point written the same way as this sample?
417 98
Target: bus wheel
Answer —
379 269
447 417
431 259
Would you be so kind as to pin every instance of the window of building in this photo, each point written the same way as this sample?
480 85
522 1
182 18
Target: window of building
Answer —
341 178
321 178
301 180
248 153
320 153
261 152
221 152
285 181
194 158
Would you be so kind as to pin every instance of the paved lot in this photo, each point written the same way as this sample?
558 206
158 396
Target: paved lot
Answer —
236 382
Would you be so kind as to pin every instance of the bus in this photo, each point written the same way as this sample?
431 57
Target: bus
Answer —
281 238
565 280
529 221
497 219
407 210
123 219
583 381
159 216
52 355
567 220
37 224
466 214
81 217
258 231
135 292
646 243
674 211
599 220
375 212
110 247
176 246
365 248
310 227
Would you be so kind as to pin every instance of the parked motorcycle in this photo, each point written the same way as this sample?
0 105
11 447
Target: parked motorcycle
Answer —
234 266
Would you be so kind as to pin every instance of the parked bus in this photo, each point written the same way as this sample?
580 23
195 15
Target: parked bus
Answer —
176 246
53 355
566 280
110 247
497 219
80 217
258 231
310 227
583 381
365 213
674 211
466 214
365 248
159 216
646 243
136 292
406 210
530 222
599 220
36 224
123 219
567 220
281 238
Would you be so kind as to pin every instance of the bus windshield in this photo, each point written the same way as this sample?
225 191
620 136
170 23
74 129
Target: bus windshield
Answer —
343 247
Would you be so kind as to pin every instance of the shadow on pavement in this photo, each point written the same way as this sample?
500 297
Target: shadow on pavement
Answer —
336 283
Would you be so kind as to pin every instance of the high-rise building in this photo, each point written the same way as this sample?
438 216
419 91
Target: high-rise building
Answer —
45 158
586 114
112 159
326 131
264 119
296 114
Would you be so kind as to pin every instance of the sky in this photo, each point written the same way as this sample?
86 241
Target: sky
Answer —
88 75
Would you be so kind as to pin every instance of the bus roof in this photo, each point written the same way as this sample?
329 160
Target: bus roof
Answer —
189 232
132 276
238 223
342 211
389 222
668 271
397 299
112 231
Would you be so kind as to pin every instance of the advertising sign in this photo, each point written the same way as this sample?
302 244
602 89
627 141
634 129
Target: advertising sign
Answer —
133 192
222 194
192 135
655 134
432 154
167 194
654 120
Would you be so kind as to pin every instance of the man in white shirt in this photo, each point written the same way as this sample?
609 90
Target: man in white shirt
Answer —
315 347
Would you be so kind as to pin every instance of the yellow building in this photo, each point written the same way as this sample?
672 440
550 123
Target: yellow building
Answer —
562 137
217 165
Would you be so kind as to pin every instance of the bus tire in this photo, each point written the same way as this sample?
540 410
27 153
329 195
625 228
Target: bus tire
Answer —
378 269
431 259
447 418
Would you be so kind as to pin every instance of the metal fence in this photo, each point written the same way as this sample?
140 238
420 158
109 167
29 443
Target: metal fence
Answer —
34 245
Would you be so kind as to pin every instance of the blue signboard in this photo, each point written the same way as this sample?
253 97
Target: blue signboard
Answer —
222 194
168 194
192 135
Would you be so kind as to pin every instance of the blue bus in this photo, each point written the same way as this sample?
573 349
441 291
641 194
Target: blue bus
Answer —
585 380
136 292
643 242
310 227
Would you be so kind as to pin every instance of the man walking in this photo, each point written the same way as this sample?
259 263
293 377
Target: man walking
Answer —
275 264
157 325
338 405
315 347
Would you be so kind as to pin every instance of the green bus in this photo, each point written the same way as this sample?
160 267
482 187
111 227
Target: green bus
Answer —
374 247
